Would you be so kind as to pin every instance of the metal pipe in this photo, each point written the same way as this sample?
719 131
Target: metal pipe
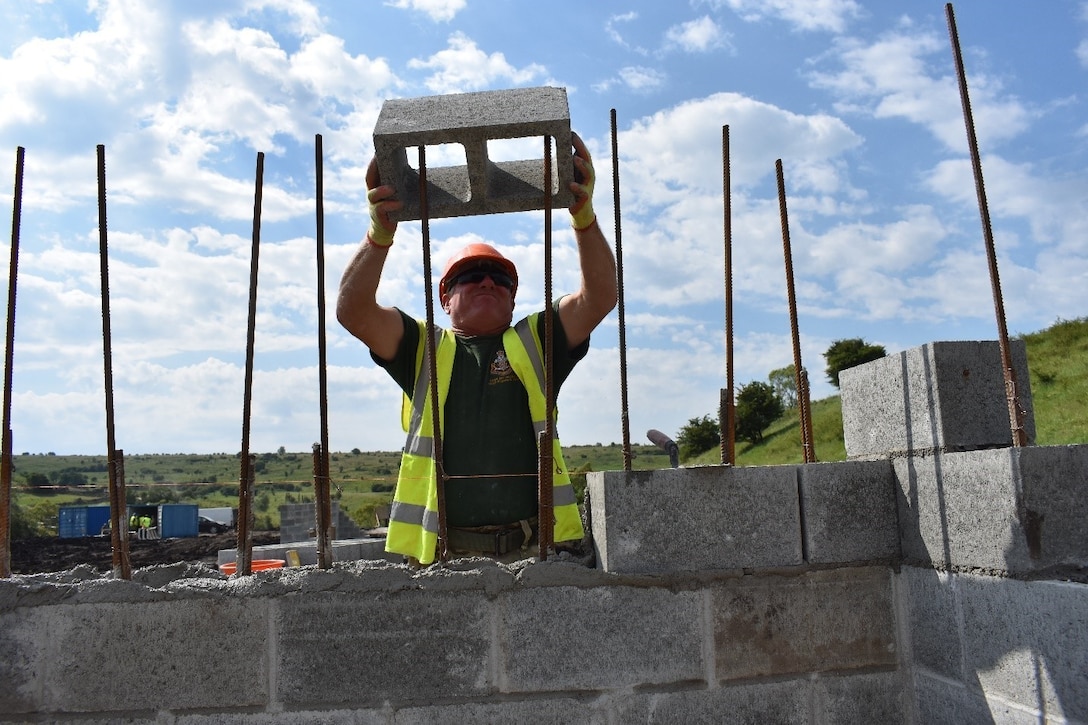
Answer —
321 450
5 447
118 519
245 536
1016 411
802 397
726 406
432 359
620 307
545 456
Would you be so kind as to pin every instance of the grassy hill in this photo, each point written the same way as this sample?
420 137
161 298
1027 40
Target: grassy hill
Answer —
1057 359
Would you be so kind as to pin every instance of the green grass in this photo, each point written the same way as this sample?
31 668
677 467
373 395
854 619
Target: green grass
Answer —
1057 359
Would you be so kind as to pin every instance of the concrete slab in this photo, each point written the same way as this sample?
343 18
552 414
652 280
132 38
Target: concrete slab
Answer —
946 396
849 511
342 550
821 621
684 519
471 120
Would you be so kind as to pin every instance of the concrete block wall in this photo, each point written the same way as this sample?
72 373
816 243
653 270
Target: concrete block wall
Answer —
469 121
298 522
377 642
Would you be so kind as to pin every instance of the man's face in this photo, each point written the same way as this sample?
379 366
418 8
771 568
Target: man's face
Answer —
480 300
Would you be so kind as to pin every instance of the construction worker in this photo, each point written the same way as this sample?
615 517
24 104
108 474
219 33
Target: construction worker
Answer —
490 380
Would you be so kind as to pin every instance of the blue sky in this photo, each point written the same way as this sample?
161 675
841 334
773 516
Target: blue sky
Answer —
857 98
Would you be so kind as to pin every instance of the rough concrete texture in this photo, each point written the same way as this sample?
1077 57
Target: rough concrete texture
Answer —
714 517
987 646
474 639
1016 510
848 512
471 120
942 396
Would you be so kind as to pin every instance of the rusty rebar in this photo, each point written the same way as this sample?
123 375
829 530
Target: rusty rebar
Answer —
1016 411
802 397
322 508
245 481
625 420
121 566
432 360
321 450
726 406
545 455
5 448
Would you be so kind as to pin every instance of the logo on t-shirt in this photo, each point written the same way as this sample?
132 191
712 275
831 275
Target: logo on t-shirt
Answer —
501 371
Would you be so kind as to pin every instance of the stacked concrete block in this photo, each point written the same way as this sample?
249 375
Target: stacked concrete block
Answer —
471 120
942 396
298 522
715 517
1015 510
997 650
849 512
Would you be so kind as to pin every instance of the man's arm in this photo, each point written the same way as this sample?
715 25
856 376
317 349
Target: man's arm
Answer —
582 311
357 308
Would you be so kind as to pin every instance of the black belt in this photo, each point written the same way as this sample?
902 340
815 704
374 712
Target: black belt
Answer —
490 540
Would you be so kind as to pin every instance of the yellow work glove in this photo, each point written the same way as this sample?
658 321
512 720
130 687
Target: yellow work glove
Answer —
581 211
380 202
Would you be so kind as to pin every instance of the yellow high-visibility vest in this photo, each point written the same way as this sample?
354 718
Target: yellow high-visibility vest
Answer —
413 519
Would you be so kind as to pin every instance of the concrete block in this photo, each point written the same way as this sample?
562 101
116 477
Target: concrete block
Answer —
748 704
929 604
599 638
1027 642
937 700
338 650
945 396
849 511
959 509
685 519
54 657
342 550
325 717
1054 504
480 185
536 710
821 621
877 697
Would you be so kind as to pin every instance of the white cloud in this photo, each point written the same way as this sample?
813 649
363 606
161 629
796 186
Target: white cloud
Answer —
438 10
696 36
808 15
462 66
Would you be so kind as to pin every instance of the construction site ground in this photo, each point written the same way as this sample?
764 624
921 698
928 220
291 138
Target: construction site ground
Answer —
51 554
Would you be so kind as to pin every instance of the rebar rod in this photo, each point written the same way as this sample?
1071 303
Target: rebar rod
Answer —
1016 411
802 399
321 450
625 419
432 360
245 511
5 448
546 465
726 407
118 518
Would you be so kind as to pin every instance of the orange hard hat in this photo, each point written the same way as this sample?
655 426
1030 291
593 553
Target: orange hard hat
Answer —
471 255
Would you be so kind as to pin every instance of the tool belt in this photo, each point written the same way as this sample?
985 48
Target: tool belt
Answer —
492 540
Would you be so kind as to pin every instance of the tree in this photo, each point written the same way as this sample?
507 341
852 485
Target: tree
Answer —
784 382
698 436
37 480
757 407
844 354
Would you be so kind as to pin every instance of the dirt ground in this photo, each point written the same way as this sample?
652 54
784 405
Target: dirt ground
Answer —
51 554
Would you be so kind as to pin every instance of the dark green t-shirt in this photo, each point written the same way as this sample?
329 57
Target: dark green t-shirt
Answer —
488 446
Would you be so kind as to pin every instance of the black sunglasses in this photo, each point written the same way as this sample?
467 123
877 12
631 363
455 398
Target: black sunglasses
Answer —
477 274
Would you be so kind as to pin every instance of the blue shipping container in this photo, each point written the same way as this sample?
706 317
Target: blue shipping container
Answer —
76 521
178 520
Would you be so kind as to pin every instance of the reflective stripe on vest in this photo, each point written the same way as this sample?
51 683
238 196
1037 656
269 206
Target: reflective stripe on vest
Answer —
413 519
